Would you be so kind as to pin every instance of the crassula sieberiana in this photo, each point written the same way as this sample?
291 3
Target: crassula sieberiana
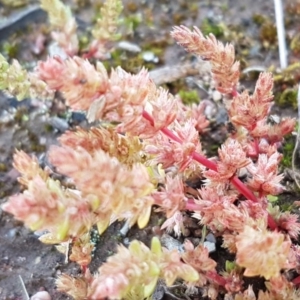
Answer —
141 157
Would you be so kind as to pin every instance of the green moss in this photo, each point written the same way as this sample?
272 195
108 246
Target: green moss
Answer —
189 97
21 115
132 22
295 44
10 49
259 19
14 3
178 18
3 167
286 203
208 26
287 151
268 34
84 42
288 77
288 98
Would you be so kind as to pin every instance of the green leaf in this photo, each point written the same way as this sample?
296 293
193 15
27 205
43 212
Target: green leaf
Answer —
272 198
230 266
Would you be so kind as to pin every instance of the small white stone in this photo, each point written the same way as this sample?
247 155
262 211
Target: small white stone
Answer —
210 238
211 247
55 50
130 47
217 96
149 56
275 118
43 295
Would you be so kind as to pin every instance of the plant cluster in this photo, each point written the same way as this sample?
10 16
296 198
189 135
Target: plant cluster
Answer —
141 156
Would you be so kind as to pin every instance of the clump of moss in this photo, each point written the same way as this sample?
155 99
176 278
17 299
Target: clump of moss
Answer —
259 19
132 21
3 167
189 97
209 26
268 31
178 18
21 115
288 98
287 151
289 77
14 3
268 34
295 44
10 49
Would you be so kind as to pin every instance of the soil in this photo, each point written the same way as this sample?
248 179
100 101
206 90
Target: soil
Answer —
33 126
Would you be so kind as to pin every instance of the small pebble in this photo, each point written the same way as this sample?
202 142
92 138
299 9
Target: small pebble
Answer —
211 238
211 247
217 96
149 56
126 241
55 50
37 260
43 295
12 233
130 47
59 124
170 243
6 117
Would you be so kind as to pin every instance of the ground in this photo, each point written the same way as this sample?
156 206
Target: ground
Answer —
33 126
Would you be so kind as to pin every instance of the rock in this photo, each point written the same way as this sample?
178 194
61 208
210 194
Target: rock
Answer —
43 295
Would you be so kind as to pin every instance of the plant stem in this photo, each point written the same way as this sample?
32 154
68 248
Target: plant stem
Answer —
296 281
243 189
216 278
239 185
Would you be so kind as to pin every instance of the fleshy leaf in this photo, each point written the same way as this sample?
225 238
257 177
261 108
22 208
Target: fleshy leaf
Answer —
144 218
149 288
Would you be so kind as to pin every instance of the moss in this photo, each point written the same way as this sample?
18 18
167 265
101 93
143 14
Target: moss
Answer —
3 167
10 49
259 19
285 202
84 42
189 97
48 128
178 18
14 3
295 44
289 77
132 22
21 115
208 26
288 98
287 151
268 34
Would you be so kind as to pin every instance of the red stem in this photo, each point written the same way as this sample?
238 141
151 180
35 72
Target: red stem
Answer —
296 281
243 189
192 206
216 278
234 92
148 118
239 185
271 223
